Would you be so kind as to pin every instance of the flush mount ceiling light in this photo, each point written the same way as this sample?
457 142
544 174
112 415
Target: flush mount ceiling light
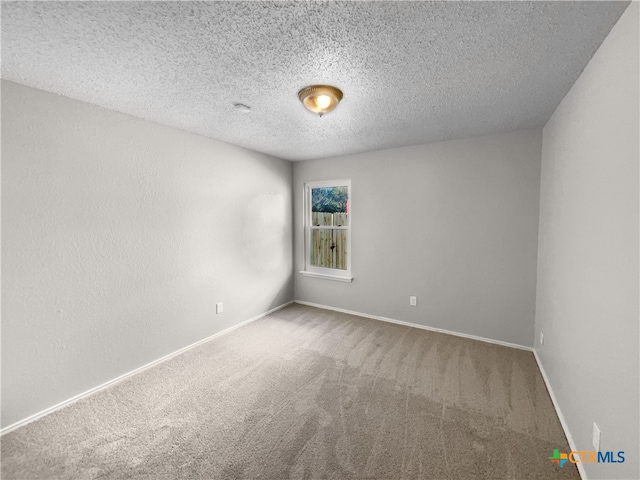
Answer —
320 99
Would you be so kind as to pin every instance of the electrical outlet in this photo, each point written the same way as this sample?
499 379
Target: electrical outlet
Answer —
541 338
219 307
413 301
595 437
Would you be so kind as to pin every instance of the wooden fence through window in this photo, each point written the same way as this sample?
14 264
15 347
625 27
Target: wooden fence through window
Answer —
329 245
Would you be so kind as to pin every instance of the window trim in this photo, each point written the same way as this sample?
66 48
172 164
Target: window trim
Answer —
323 272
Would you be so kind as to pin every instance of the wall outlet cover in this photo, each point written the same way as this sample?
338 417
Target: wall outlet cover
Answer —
413 301
595 438
219 307
541 338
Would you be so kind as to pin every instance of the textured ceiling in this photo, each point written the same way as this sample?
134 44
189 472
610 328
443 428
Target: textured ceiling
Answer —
411 72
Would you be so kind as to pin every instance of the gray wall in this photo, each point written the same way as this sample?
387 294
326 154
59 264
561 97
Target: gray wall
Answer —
118 237
587 299
454 223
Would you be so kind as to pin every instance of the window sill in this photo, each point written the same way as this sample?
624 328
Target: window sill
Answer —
336 278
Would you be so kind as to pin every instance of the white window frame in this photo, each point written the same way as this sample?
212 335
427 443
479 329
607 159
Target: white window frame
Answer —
323 272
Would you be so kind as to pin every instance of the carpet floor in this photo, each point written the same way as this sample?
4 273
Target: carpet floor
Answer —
306 393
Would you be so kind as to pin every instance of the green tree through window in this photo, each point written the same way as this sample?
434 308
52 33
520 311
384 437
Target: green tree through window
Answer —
329 199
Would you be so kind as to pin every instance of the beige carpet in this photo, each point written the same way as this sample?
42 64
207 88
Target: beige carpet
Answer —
307 393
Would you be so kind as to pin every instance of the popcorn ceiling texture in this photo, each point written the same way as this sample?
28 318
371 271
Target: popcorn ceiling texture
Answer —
411 72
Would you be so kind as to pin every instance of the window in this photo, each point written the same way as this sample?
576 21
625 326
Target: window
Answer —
328 230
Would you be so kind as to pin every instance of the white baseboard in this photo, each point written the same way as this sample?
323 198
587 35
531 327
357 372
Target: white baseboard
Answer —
91 391
416 325
556 405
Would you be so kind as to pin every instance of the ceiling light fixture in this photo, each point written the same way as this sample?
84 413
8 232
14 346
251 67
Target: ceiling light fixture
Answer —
320 99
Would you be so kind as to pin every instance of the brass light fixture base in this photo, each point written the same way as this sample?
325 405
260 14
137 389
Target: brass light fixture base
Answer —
320 99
